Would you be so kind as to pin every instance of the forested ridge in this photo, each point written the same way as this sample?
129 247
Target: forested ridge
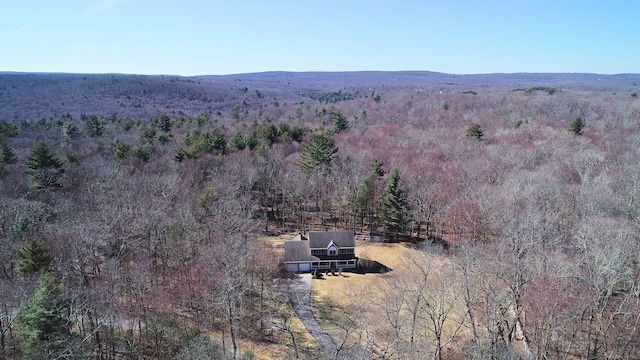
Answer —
130 234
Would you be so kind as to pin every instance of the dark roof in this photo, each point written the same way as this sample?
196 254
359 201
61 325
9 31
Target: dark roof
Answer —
322 239
297 250
337 257
299 237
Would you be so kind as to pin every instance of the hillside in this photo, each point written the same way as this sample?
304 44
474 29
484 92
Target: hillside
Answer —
30 96
133 211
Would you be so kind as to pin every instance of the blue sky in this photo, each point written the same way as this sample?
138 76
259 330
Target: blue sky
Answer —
189 37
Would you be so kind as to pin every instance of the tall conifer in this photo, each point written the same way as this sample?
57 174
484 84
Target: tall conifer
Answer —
44 168
393 205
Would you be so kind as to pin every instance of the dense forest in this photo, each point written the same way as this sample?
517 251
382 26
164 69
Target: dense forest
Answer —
133 217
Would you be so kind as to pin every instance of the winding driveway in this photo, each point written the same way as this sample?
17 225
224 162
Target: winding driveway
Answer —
299 291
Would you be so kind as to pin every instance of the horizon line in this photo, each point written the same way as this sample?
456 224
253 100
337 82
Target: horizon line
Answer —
9 72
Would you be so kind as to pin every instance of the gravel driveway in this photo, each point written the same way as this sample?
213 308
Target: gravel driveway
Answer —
299 291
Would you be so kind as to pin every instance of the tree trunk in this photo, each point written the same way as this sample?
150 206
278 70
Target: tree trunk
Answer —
93 325
413 323
224 342
231 332
266 220
293 340
2 345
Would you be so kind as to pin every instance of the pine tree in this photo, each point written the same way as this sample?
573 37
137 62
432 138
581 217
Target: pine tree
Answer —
44 168
298 132
93 126
340 121
474 132
392 212
142 152
237 140
33 257
162 122
214 142
43 320
7 155
575 126
375 167
120 149
8 130
69 130
318 150
360 201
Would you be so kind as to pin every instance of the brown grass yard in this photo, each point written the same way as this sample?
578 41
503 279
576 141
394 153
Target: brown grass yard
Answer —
336 287
366 301
333 296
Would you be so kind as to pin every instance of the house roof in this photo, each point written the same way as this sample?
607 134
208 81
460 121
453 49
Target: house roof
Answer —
299 237
322 239
336 257
297 250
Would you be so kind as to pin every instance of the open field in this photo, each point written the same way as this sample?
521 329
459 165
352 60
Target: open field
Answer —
381 304
340 288
335 296
340 291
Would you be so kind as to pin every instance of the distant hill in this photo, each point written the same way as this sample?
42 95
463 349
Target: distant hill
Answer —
35 95
332 80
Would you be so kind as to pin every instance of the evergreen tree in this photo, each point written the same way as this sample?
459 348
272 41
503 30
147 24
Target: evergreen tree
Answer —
7 155
21 227
142 152
317 151
362 203
120 149
125 124
251 139
205 142
44 168
237 140
340 121
204 118
69 130
575 126
361 200
267 133
375 167
298 132
214 142
235 112
93 126
474 132
33 257
147 133
180 154
162 122
43 320
8 130
392 212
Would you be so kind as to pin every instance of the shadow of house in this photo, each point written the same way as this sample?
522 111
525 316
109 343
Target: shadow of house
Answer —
366 266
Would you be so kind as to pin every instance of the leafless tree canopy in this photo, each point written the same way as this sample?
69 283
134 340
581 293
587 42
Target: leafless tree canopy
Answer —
526 241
